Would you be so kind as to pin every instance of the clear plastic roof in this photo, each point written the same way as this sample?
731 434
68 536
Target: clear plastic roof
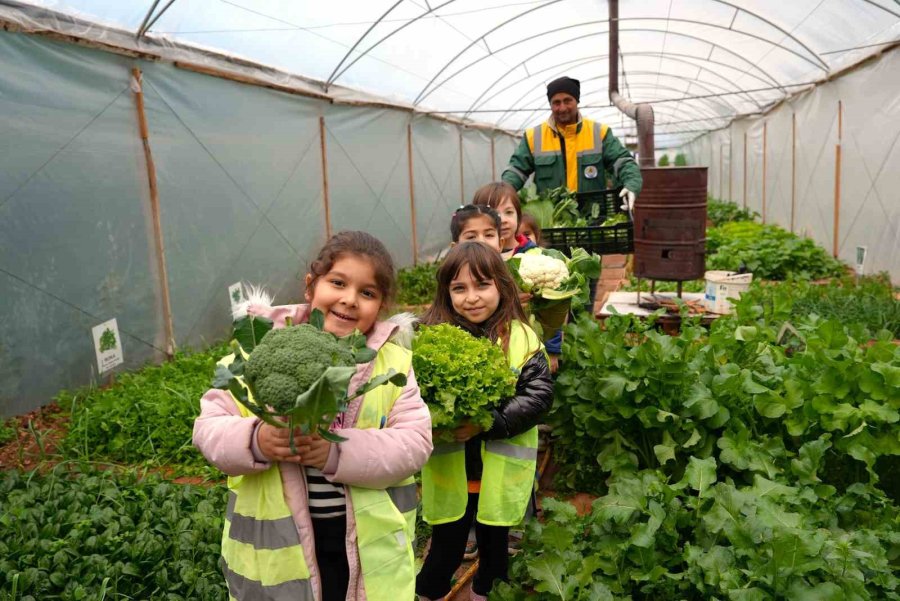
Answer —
700 62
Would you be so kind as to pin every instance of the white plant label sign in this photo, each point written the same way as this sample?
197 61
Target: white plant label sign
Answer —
107 345
860 259
236 295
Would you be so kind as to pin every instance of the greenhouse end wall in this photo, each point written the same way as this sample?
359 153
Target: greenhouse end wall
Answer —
240 173
844 136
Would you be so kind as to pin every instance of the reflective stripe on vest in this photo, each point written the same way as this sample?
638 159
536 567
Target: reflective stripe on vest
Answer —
262 557
509 465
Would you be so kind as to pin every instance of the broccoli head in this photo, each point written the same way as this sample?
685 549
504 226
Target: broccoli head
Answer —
288 360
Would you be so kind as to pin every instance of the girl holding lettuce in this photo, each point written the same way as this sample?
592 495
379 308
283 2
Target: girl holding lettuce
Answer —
485 476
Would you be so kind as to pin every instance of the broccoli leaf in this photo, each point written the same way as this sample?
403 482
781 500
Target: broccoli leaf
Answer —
249 330
317 319
222 377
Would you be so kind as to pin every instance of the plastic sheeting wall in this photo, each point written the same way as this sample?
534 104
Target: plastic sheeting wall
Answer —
240 179
788 171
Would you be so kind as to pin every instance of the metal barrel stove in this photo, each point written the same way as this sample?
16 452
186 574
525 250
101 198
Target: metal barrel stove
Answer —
670 224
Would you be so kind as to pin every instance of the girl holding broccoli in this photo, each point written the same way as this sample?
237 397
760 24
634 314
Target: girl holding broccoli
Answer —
326 521
485 476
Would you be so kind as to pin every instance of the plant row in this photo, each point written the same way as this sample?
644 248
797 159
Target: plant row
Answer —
76 532
145 417
739 463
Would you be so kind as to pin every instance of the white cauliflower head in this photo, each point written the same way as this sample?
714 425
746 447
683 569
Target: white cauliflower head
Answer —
542 272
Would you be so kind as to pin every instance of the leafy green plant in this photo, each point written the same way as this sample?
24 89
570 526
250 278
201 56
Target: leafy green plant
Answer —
146 417
660 286
663 161
107 340
704 538
9 429
866 305
417 285
552 208
768 251
82 533
628 397
681 160
460 376
720 213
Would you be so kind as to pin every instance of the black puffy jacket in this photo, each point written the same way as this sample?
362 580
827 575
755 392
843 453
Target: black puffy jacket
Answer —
517 414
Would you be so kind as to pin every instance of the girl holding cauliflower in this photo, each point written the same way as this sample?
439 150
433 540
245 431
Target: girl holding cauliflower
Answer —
485 475
308 518
503 198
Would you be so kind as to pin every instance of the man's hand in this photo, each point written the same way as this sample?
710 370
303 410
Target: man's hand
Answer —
627 197
466 431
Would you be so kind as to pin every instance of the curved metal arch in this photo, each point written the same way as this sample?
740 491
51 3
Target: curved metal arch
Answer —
823 64
673 119
582 61
332 78
638 86
359 41
882 8
743 59
480 38
709 87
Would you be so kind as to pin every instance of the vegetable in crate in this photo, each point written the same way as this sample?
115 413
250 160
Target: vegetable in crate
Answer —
553 208
296 376
554 281
461 377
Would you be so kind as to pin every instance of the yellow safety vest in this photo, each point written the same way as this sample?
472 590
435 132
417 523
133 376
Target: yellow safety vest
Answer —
580 169
509 465
262 557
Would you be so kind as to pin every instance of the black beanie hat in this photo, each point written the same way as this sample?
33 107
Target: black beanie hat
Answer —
564 84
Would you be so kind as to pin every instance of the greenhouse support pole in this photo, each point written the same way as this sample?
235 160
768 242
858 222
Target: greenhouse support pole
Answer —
745 170
837 179
721 171
137 88
327 205
730 163
793 167
493 161
765 135
462 181
412 194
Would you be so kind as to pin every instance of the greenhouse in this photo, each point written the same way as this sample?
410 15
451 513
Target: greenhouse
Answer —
695 387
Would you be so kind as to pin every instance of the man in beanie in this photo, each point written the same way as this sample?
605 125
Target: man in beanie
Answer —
569 150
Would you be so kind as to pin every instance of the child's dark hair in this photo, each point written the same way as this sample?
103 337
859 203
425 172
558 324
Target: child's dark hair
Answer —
528 221
484 263
360 244
494 193
463 214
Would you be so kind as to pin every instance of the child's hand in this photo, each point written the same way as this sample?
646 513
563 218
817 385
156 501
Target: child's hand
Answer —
466 431
315 451
274 443
524 297
554 363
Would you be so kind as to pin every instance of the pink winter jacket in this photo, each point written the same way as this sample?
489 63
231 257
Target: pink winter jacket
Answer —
369 458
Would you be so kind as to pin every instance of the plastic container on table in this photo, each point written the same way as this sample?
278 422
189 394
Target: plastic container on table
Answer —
722 286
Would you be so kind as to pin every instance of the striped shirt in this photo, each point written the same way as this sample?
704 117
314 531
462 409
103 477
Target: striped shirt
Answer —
326 499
